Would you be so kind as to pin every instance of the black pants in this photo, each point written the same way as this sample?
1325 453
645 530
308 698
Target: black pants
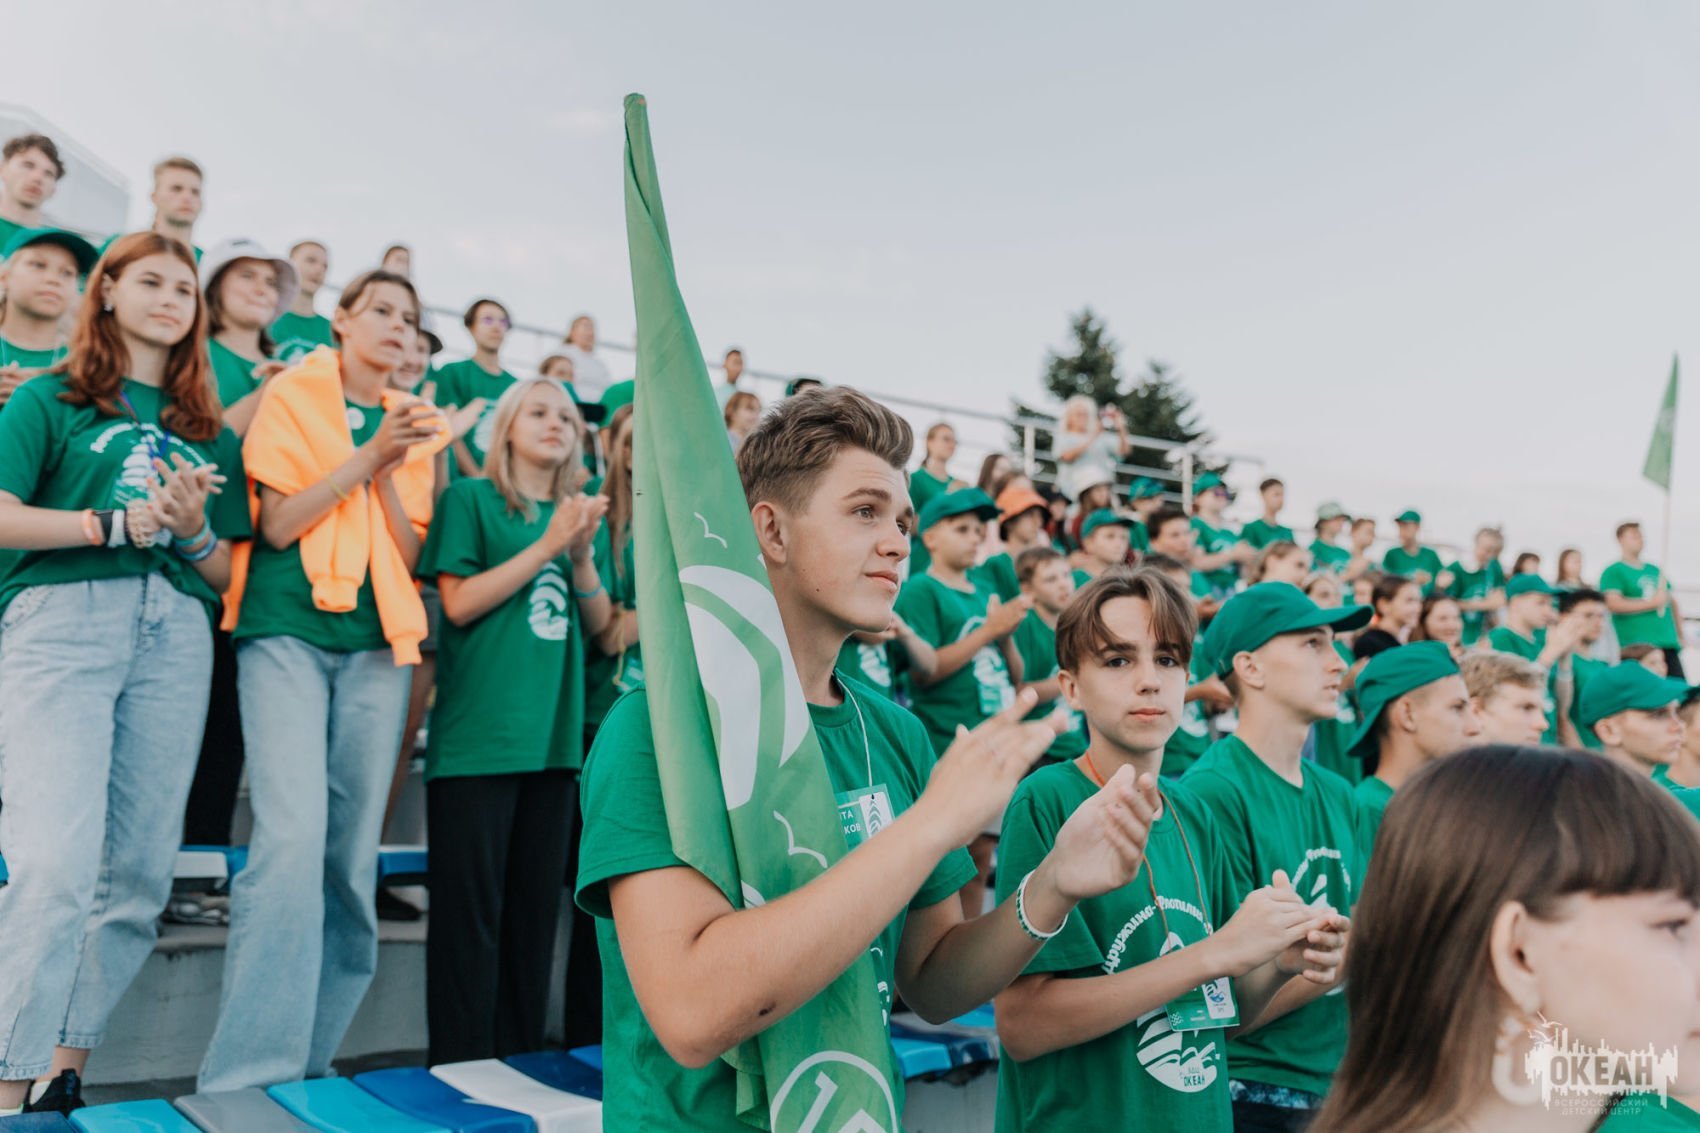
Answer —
1673 662
498 846
582 1018
218 774
1256 1117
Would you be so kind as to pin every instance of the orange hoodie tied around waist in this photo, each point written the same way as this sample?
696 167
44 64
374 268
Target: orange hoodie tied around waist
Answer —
299 436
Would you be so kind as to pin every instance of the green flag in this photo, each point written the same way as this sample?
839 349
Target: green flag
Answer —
748 801
1657 468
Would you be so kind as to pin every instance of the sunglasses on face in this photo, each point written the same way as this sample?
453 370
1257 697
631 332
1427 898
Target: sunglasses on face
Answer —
493 321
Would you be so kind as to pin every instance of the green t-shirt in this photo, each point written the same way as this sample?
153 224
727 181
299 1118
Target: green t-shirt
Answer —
1260 533
1139 538
1310 832
625 832
1330 737
997 574
1211 540
607 676
14 355
1143 1075
1192 737
1584 669
54 455
1081 578
510 686
1649 627
870 664
923 486
1643 1114
10 228
459 383
1469 585
1689 797
233 375
298 335
278 600
1507 640
1037 644
1373 795
1328 557
943 615
1402 562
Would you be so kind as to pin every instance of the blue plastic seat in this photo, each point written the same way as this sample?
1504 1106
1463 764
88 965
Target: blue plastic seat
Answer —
497 1083
402 865
918 1057
416 1092
589 1055
3 874
240 1111
336 1105
971 1039
34 1122
561 1070
132 1117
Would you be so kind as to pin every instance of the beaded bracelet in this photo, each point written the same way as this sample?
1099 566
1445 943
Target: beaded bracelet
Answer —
194 540
205 552
1021 912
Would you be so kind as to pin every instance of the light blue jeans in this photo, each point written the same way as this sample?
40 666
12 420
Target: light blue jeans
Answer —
321 731
106 693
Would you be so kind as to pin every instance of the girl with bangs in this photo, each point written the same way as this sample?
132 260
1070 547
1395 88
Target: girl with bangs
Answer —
110 474
1516 891
507 733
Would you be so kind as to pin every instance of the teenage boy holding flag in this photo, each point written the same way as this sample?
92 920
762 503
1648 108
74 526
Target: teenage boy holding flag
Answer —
772 850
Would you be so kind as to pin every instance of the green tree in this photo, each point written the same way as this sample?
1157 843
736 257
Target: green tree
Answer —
1156 403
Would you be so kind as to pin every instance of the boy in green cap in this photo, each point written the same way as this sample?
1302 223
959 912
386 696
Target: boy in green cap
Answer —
1048 584
1478 585
1410 558
1104 538
1219 550
1583 614
1414 709
1145 497
1643 609
1279 811
39 280
1120 1022
1639 721
1529 613
1268 528
1325 552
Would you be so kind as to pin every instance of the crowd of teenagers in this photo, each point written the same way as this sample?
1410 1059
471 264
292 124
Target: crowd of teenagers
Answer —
1237 831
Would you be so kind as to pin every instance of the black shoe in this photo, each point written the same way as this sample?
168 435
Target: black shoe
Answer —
393 908
63 1095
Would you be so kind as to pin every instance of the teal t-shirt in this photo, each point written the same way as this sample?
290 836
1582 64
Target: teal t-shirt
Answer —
1643 1113
459 383
607 676
1373 795
1311 832
278 600
870 664
1144 1075
997 574
13 355
233 375
1402 562
1471 585
1259 533
510 686
1328 557
625 832
1210 541
942 615
299 335
1648 627
1584 669
1037 644
1330 737
923 486
1192 737
68 458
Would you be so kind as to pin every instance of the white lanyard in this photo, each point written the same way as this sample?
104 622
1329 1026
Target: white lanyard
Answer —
867 750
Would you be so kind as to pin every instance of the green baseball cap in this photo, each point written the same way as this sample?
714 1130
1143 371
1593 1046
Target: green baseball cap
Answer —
617 395
1206 482
1519 584
1623 687
1145 488
1249 619
1330 510
1409 515
963 501
1391 674
1103 517
81 250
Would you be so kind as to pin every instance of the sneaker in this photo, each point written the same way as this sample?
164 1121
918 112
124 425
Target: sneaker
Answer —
63 1094
392 908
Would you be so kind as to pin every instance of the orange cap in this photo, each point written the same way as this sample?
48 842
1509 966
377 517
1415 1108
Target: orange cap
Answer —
1015 499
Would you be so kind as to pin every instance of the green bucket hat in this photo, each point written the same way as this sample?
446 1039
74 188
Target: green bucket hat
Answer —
1520 584
1206 482
81 250
1255 615
1625 687
963 501
1391 674
1103 517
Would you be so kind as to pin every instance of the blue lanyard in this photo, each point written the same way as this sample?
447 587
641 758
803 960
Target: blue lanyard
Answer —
158 448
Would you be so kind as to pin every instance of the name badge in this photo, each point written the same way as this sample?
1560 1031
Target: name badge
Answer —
1205 1007
864 813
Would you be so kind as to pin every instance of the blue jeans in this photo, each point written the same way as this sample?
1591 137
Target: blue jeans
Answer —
106 691
321 730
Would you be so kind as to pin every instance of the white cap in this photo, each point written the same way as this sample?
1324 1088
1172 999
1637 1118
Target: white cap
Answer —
224 254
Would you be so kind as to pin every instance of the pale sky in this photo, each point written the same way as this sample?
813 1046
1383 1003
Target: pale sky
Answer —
1436 255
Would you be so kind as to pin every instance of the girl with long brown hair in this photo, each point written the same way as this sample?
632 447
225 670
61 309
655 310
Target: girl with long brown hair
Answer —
1515 891
110 470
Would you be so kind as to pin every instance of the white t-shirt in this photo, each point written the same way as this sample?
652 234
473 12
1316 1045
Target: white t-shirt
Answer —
1097 465
590 376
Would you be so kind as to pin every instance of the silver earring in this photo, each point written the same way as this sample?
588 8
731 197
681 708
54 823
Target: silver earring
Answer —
1525 1093
107 308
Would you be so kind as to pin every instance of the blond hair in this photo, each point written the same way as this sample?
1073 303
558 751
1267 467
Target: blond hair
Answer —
499 462
1485 672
